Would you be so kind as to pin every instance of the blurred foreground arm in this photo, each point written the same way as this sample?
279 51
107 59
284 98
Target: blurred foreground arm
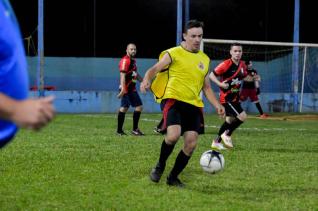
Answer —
31 113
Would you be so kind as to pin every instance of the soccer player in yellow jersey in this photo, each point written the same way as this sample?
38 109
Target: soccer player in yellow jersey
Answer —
188 75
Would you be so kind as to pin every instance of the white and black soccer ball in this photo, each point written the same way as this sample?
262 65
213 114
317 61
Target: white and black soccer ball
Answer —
212 161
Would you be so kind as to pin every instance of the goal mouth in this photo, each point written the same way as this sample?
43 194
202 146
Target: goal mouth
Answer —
286 69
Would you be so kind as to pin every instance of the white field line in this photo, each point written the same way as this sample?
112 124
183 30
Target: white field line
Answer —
209 126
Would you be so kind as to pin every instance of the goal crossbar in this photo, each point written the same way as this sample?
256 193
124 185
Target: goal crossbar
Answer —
260 43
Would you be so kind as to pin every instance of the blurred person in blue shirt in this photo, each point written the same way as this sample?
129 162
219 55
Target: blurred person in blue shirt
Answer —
16 110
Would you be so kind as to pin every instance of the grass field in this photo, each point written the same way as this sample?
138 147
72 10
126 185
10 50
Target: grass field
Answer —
78 163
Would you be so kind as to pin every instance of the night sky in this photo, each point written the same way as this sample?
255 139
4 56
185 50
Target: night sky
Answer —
151 24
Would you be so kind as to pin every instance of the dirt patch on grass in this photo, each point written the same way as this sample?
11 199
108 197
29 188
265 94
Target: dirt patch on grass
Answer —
296 117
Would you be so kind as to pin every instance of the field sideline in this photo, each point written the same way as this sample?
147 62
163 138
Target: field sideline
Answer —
78 163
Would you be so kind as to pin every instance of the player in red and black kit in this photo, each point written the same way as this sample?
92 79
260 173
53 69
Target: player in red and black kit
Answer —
128 92
250 88
231 73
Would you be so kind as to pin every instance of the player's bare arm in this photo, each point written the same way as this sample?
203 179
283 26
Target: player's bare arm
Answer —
151 72
122 85
209 94
223 84
257 77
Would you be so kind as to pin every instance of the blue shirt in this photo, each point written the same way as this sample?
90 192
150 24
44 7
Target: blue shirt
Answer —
13 66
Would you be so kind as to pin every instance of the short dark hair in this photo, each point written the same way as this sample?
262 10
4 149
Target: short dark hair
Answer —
247 62
193 24
235 44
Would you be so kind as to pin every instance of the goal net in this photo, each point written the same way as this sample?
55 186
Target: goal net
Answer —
287 70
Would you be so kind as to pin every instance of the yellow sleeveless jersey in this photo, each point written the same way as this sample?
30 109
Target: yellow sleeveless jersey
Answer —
186 75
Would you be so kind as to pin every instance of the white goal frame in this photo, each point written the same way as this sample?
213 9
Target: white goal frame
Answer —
287 44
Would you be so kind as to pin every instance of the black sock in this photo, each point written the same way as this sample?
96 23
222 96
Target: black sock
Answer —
120 119
223 128
136 117
259 107
181 162
165 151
235 124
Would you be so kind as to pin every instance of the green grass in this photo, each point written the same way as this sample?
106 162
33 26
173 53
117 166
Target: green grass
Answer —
78 163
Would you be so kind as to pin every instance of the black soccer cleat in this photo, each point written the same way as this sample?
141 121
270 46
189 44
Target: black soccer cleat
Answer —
157 130
121 133
174 182
137 132
156 173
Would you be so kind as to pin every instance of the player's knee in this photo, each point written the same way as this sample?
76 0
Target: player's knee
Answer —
139 108
172 138
173 133
242 116
189 147
229 119
123 109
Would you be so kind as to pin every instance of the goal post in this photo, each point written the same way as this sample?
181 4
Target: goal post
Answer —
40 66
276 62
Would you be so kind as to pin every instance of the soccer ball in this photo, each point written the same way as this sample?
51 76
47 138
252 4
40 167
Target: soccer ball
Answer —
212 161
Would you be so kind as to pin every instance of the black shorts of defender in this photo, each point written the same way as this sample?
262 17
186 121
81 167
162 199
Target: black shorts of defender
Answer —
130 99
185 115
232 109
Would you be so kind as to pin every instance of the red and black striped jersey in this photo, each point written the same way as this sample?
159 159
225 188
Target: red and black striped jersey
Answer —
128 66
232 74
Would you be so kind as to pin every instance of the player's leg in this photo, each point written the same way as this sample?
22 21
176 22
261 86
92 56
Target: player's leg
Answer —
190 142
124 105
235 116
236 122
136 102
236 119
136 116
190 124
167 146
216 143
173 121
255 100
158 128
260 110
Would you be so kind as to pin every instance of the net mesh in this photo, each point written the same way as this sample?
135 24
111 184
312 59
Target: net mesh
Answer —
274 64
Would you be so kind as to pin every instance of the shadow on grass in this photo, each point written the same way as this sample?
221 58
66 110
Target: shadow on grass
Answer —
254 191
286 150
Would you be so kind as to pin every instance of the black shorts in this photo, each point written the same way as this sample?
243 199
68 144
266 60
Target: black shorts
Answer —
232 109
131 99
188 116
